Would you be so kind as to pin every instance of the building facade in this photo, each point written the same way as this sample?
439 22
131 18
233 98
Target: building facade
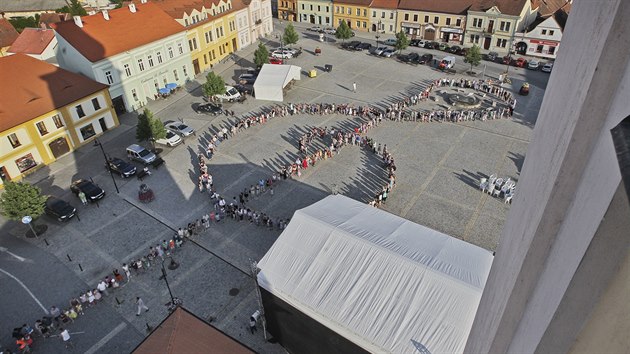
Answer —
355 13
260 18
493 27
47 113
440 21
287 10
317 12
384 16
134 66
544 40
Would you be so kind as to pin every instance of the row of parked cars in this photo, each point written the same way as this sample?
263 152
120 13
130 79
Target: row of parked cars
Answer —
285 53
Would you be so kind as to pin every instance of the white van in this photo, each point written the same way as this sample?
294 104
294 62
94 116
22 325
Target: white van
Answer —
231 94
447 62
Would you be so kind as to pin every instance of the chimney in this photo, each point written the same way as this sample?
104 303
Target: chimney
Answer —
132 8
105 15
78 21
91 12
143 1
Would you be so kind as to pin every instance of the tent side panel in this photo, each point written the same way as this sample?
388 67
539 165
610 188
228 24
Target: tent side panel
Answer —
300 334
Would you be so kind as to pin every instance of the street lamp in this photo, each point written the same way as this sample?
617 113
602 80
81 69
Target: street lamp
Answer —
378 28
98 143
171 266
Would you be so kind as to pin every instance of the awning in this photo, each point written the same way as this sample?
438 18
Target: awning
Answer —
410 25
429 26
451 30
171 86
164 91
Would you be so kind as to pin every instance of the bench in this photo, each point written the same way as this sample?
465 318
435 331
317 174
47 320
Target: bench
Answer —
157 162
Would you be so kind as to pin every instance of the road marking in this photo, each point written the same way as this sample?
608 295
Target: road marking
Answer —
106 339
25 288
21 259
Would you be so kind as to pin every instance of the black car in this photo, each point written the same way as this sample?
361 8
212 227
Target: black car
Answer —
410 58
123 168
350 45
59 209
210 108
454 49
91 190
414 42
363 46
431 45
425 59
492 56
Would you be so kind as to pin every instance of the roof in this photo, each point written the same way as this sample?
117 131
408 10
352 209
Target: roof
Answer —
383 282
547 8
30 5
37 88
177 8
449 7
183 332
561 16
32 41
8 34
508 7
384 4
355 2
272 79
52 17
100 38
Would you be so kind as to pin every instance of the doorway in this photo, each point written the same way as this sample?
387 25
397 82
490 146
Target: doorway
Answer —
486 43
4 174
196 67
119 105
234 48
59 147
429 34
312 19
101 121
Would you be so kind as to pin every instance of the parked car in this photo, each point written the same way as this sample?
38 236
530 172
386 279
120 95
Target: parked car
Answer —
443 47
172 139
350 45
520 63
387 53
454 49
273 60
507 60
92 191
247 78
282 54
123 168
418 43
139 153
314 29
59 209
464 51
210 108
377 50
492 56
363 46
447 62
329 30
179 128
533 64
410 58
390 41
231 94
425 59
431 45
547 67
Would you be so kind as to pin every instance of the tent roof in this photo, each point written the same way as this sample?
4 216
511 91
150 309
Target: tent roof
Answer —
276 75
383 282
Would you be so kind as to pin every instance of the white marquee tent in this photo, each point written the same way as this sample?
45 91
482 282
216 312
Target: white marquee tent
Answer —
382 282
272 79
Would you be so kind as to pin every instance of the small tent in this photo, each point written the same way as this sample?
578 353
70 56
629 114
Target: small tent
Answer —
345 277
272 80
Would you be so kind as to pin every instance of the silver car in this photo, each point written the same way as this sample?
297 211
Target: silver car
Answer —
179 128
378 50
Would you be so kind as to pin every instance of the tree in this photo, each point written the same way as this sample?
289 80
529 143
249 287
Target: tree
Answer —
143 129
473 56
25 22
74 9
21 199
261 55
343 32
214 85
118 3
402 42
290 35
157 129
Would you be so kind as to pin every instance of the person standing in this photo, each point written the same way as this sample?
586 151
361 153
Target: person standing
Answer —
65 336
141 306
102 287
354 87
83 198
252 325
55 313
125 268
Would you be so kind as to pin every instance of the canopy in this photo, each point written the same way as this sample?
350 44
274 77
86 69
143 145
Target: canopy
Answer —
171 85
272 79
382 282
164 90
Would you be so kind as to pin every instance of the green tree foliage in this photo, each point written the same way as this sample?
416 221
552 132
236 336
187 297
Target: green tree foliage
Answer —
118 3
143 129
214 85
261 55
343 31
473 56
290 35
21 199
402 42
157 128
74 9
25 22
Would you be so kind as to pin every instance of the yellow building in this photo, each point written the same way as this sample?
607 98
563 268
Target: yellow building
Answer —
356 13
46 112
287 10
441 21
210 28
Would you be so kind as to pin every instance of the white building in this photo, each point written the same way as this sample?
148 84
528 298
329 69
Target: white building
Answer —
136 50
318 12
253 21
544 40
383 16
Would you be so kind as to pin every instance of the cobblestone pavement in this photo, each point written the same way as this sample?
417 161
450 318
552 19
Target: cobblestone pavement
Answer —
439 166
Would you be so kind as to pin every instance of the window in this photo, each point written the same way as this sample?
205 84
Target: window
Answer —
127 70
170 52
364 12
87 132
505 26
41 126
391 15
406 17
501 42
184 70
349 11
209 37
109 77
477 22
358 12
79 110
415 18
448 21
474 38
221 28
150 59
336 9
190 45
175 74
319 8
458 22
218 33
358 24
95 104
426 19
140 64
436 20
194 43
159 57
205 59
364 24
180 48
25 163
373 13
57 120
551 32
544 32
134 94
551 50
391 28
13 139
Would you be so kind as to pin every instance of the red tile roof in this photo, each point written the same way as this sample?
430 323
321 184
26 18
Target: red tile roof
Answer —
37 88
50 18
177 8
385 4
508 7
354 2
549 7
183 332
100 38
441 6
32 41
8 34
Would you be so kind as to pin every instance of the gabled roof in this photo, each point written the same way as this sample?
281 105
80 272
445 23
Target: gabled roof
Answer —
183 332
33 87
561 16
441 6
30 5
354 2
100 38
507 7
547 8
52 17
384 4
177 8
32 41
8 34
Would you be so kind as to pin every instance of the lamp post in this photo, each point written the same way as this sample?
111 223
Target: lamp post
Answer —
171 266
98 143
378 29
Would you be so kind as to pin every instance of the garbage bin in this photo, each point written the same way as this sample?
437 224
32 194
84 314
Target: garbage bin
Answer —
328 67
